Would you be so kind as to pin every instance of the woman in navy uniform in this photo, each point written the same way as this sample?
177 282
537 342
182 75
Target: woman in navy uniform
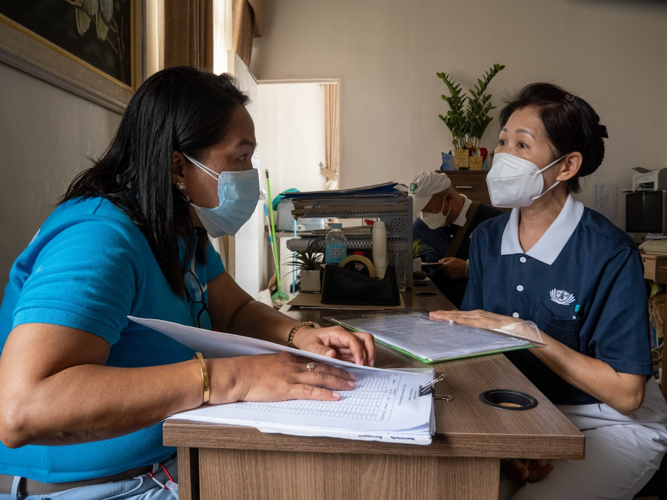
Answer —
579 278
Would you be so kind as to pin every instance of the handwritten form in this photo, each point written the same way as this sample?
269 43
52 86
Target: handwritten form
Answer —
384 406
430 340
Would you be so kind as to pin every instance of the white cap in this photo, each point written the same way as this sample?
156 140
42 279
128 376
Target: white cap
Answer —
424 185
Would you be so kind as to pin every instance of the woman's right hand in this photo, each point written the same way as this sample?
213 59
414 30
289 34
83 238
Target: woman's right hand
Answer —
275 377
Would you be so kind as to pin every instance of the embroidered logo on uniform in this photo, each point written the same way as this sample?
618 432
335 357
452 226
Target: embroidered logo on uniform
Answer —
562 297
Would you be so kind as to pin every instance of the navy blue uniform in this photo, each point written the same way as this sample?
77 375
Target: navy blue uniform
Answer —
582 259
440 239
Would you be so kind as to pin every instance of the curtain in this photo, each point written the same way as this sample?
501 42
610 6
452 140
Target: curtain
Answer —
247 22
188 33
330 170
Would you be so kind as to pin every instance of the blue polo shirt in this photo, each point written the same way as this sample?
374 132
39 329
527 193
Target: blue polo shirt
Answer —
89 267
582 259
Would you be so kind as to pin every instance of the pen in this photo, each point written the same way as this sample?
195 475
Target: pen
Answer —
577 308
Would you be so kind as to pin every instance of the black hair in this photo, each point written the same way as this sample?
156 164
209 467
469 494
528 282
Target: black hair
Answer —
177 109
570 122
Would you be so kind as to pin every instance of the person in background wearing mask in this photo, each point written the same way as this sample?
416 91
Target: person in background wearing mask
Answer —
88 389
579 278
446 221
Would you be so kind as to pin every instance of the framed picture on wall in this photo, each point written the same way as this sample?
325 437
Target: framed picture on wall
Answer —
93 48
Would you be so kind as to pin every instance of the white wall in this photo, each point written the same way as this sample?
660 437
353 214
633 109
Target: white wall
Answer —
290 131
45 135
387 52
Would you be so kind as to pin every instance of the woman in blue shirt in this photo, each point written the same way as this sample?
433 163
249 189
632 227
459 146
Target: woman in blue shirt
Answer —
84 390
579 278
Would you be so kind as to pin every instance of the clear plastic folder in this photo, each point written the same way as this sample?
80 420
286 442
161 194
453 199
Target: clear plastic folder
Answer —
414 333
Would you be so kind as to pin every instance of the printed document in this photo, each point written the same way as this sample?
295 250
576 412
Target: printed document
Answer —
384 406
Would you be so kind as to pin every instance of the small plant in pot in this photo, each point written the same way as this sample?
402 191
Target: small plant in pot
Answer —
419 249
308 262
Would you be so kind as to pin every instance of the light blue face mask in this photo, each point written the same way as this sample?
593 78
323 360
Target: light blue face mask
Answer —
238 192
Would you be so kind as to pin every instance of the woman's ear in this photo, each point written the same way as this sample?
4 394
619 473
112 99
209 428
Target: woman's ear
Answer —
570 166
178 169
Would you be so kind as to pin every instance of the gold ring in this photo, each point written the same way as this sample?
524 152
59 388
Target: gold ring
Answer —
310 367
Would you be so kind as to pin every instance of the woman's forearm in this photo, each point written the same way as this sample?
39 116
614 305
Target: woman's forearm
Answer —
62 393
91 402
255 319
622 391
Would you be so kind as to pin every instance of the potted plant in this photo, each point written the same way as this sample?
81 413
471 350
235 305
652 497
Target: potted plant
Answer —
468 116
418 250
308 262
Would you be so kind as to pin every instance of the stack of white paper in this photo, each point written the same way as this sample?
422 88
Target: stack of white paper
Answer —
384 406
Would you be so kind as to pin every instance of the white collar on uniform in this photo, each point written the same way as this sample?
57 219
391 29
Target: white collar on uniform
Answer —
549 246
461 219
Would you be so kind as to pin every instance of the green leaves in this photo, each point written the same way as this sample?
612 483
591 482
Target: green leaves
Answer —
419 248
307 260
468 116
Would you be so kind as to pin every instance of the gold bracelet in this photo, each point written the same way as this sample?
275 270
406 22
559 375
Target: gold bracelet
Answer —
294 329
206 384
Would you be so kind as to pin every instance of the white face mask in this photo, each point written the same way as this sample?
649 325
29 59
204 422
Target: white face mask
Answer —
434 221
514 182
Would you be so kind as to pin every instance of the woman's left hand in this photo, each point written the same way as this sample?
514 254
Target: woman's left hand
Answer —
478 318
336 342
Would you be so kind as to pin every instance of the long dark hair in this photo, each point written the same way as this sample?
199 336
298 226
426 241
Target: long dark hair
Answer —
177 109
570 122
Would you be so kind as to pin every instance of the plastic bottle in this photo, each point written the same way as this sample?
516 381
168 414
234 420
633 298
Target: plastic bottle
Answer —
379 249
335 245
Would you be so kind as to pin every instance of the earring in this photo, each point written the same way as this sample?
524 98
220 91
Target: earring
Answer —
180 186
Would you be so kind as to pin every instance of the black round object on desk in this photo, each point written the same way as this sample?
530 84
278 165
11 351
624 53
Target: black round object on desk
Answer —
506 399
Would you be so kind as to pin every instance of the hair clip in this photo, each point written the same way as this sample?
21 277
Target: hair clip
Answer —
569 97
603 132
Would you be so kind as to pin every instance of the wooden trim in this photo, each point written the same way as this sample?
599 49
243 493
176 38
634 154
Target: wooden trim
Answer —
489 445
24 64
188 473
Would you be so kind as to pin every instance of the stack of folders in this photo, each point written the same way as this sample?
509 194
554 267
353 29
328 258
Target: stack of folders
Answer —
384 406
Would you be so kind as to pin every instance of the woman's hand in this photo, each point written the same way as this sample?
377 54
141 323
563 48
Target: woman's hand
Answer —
452 267
275 377
478 318
336 342
529 471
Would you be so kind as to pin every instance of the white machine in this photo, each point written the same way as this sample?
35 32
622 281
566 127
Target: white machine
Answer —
650 181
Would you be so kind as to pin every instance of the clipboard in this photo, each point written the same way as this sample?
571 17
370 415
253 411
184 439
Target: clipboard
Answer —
413 333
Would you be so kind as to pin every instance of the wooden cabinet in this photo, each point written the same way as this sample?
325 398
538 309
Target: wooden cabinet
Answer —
471 183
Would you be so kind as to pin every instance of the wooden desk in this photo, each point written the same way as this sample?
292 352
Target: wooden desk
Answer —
463 462
655 269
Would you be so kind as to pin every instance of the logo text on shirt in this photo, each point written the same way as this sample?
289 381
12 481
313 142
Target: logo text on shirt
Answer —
562 297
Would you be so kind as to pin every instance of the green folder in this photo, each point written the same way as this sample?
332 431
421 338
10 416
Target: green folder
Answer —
411 332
